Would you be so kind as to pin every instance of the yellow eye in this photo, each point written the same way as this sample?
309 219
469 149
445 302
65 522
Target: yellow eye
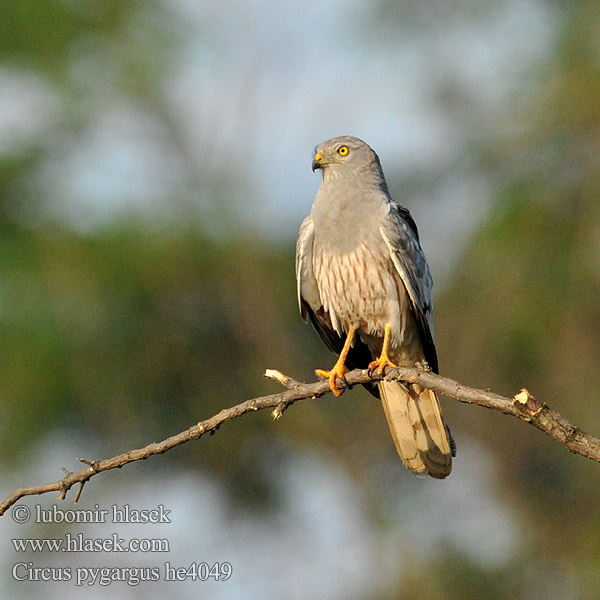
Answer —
343 150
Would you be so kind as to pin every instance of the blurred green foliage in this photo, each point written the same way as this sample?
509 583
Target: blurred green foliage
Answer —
524 310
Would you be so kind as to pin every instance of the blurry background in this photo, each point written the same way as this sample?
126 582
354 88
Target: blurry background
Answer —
155 167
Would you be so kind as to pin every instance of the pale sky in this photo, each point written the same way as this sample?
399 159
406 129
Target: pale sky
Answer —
254 86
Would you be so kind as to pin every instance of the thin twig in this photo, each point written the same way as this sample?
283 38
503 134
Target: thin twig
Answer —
523 406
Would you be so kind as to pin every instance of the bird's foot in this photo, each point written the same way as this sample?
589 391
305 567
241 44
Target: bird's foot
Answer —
338 371
381 363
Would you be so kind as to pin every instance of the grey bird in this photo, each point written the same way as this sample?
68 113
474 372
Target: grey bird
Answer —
365 285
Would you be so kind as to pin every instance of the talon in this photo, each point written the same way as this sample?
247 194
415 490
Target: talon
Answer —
337 371
380 364
383 361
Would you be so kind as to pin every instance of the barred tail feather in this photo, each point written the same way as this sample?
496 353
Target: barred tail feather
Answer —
415 420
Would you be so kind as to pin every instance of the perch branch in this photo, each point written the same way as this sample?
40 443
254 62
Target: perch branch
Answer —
523 406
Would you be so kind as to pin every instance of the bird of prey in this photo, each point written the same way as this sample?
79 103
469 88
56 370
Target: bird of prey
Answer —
365 285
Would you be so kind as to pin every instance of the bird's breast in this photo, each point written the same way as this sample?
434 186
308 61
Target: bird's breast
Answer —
358 287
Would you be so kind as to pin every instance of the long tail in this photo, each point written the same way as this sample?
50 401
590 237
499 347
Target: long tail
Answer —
422 439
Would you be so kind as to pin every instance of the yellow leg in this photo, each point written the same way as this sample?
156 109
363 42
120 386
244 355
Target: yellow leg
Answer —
339 369
383 361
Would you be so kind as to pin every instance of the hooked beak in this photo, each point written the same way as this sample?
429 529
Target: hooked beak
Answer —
316 163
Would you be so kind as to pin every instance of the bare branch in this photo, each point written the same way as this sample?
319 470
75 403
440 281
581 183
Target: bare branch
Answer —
523 405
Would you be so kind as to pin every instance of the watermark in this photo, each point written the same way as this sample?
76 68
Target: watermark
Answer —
116 514
111 543
79 543
80 576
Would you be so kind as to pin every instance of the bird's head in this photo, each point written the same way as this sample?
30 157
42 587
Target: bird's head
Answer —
345 154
